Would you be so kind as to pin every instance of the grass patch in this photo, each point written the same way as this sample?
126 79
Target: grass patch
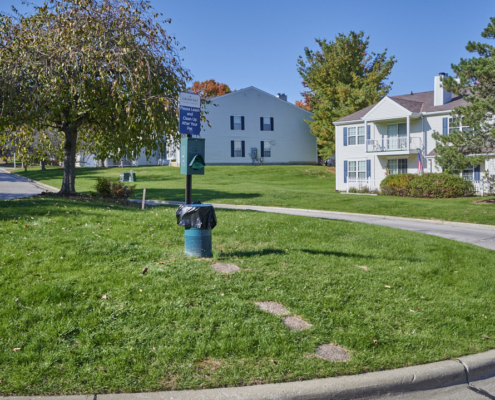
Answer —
310 187
184 325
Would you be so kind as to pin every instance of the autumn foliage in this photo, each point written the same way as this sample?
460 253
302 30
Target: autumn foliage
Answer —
210 88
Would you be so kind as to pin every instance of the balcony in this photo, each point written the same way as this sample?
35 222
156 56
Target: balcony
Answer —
394 144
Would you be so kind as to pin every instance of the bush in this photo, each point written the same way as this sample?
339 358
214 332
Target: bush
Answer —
106 187
426 185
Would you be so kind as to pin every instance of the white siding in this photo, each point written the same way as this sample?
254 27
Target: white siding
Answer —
387 109
294 144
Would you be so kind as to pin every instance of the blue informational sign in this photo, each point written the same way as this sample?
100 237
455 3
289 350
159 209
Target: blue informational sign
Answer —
189 114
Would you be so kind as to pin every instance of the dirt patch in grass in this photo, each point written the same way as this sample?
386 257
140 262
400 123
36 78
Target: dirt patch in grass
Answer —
225 268
334 353
488 201
296 323
209 364
272 307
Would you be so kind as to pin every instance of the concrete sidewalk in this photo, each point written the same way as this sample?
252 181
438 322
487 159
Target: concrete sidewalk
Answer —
13 186
477 234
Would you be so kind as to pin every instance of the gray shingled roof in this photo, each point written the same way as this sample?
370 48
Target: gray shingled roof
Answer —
416 102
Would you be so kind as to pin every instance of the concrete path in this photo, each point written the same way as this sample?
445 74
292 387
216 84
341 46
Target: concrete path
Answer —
477 234
13 186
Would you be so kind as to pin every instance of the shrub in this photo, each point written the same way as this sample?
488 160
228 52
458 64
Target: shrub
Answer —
353 190
106 187
426 185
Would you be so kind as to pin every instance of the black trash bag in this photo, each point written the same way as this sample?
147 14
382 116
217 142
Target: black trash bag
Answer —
190 216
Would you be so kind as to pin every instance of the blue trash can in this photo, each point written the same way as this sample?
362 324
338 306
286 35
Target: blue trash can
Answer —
198 242
198 221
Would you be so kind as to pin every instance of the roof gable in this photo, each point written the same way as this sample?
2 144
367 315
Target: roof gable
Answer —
387 108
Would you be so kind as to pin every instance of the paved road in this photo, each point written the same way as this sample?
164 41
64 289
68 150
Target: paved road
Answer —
14 187
479 235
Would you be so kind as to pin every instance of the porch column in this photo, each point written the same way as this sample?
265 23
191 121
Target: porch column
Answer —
366 135
408 133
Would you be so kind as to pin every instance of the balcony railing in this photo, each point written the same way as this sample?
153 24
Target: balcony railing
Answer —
393 144
360 183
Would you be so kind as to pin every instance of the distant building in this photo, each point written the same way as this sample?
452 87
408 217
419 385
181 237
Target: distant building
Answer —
251 125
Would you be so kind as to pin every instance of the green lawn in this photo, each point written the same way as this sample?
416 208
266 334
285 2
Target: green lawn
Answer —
184 325
310 187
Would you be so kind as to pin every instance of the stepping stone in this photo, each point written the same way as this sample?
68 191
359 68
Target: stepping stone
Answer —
225 268
295 323
272 307
331 352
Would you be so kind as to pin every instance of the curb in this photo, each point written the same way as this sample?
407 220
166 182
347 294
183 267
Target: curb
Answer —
36 183
437 375
284 210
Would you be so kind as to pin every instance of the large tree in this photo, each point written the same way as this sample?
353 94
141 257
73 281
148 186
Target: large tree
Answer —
210 88
101 72
475 80
341 77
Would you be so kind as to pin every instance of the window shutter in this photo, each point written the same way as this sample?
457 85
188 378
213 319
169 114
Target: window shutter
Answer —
271 123
446 126
262 147
261 123
243 148
231 122
345 137
368 167
477 171
242 123
368 132
345 170
232 148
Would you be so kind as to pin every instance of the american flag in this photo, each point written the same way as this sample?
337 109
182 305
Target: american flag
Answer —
420 163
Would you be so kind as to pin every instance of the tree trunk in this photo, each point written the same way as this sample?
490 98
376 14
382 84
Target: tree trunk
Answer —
68 182
25 166
43 165
102 163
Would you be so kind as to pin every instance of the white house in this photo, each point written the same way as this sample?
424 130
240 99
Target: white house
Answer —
88 160
251 125
395 136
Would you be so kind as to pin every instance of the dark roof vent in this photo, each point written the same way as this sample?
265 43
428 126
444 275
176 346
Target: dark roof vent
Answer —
443 74
282 96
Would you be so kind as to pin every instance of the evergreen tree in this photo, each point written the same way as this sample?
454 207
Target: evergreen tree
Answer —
342 77
476 82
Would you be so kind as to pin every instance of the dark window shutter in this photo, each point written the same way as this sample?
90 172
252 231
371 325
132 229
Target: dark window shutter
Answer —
446 126
261 123
477 171
345 171
262 147
368 132
243 148
232 148
345 137
231 122
242 123
368 167
271 123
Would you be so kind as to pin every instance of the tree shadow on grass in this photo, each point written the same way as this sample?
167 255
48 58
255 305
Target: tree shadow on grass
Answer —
254 253
353 255
203 195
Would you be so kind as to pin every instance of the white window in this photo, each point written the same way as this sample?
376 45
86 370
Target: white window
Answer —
361 135
453 125
237 148
267 150
267 124
237 123
351 139
468 173
357 169
397 166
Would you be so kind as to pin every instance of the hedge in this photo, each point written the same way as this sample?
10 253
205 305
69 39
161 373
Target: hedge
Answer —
426 185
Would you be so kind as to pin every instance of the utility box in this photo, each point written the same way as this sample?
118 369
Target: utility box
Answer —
192 156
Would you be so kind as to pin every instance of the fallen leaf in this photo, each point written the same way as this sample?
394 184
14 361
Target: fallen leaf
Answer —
145 269
364 268
16 349
412 311
375 341
161 262
140 290
388 287
132 259
485 337
104 297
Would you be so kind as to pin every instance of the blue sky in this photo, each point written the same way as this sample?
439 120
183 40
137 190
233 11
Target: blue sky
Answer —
257 43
